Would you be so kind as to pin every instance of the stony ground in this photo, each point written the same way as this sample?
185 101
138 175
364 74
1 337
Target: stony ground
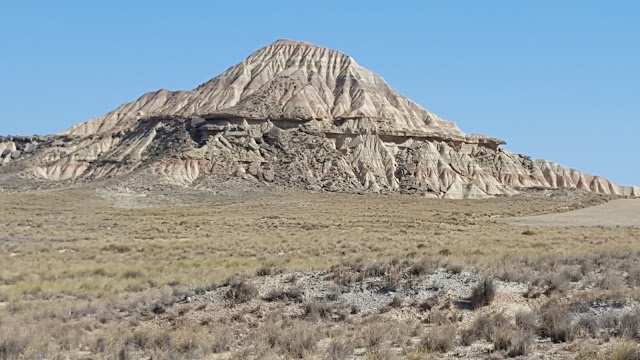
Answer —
265 273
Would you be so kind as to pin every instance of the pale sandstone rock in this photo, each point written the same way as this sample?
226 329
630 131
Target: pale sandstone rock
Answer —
285 80
293 114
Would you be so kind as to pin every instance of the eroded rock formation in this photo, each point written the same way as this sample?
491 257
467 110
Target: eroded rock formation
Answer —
292 114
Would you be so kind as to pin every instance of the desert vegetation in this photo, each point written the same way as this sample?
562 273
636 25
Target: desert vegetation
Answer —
306 276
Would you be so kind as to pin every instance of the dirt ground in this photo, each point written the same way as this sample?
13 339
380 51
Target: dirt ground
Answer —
622 212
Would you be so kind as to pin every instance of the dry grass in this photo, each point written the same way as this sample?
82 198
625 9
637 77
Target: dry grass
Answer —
240 290
439 339
80 273
71 242
556 323
483 294
618 351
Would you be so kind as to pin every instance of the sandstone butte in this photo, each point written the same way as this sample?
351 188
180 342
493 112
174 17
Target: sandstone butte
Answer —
292 114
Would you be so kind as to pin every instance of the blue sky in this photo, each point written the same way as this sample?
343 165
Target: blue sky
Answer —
558 80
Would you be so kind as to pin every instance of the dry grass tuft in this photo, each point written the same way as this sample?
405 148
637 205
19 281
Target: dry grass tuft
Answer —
240 290
316 310
555 323
268 271
338 350
623 351
439 339
12 348
286 295
296 339
483 294
512 340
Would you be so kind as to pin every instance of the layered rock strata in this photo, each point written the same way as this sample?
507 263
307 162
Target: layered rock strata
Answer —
292 114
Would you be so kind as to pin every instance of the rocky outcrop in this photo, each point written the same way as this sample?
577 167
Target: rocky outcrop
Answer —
291 114
286 80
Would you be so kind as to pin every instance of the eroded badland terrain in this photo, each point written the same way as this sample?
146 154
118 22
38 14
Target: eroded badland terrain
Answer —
296 206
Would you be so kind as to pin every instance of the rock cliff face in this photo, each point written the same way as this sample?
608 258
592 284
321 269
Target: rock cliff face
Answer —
292 114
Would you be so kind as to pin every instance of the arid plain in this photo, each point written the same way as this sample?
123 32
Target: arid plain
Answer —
286 274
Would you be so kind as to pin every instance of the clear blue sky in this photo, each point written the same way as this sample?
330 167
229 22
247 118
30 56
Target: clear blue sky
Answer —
558 80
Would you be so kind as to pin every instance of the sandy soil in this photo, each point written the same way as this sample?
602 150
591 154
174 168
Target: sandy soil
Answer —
615 213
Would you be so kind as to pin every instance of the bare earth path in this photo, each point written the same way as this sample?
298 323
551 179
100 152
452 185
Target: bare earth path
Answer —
615 213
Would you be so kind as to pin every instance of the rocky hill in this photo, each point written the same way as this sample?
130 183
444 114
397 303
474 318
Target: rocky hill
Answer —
291 114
